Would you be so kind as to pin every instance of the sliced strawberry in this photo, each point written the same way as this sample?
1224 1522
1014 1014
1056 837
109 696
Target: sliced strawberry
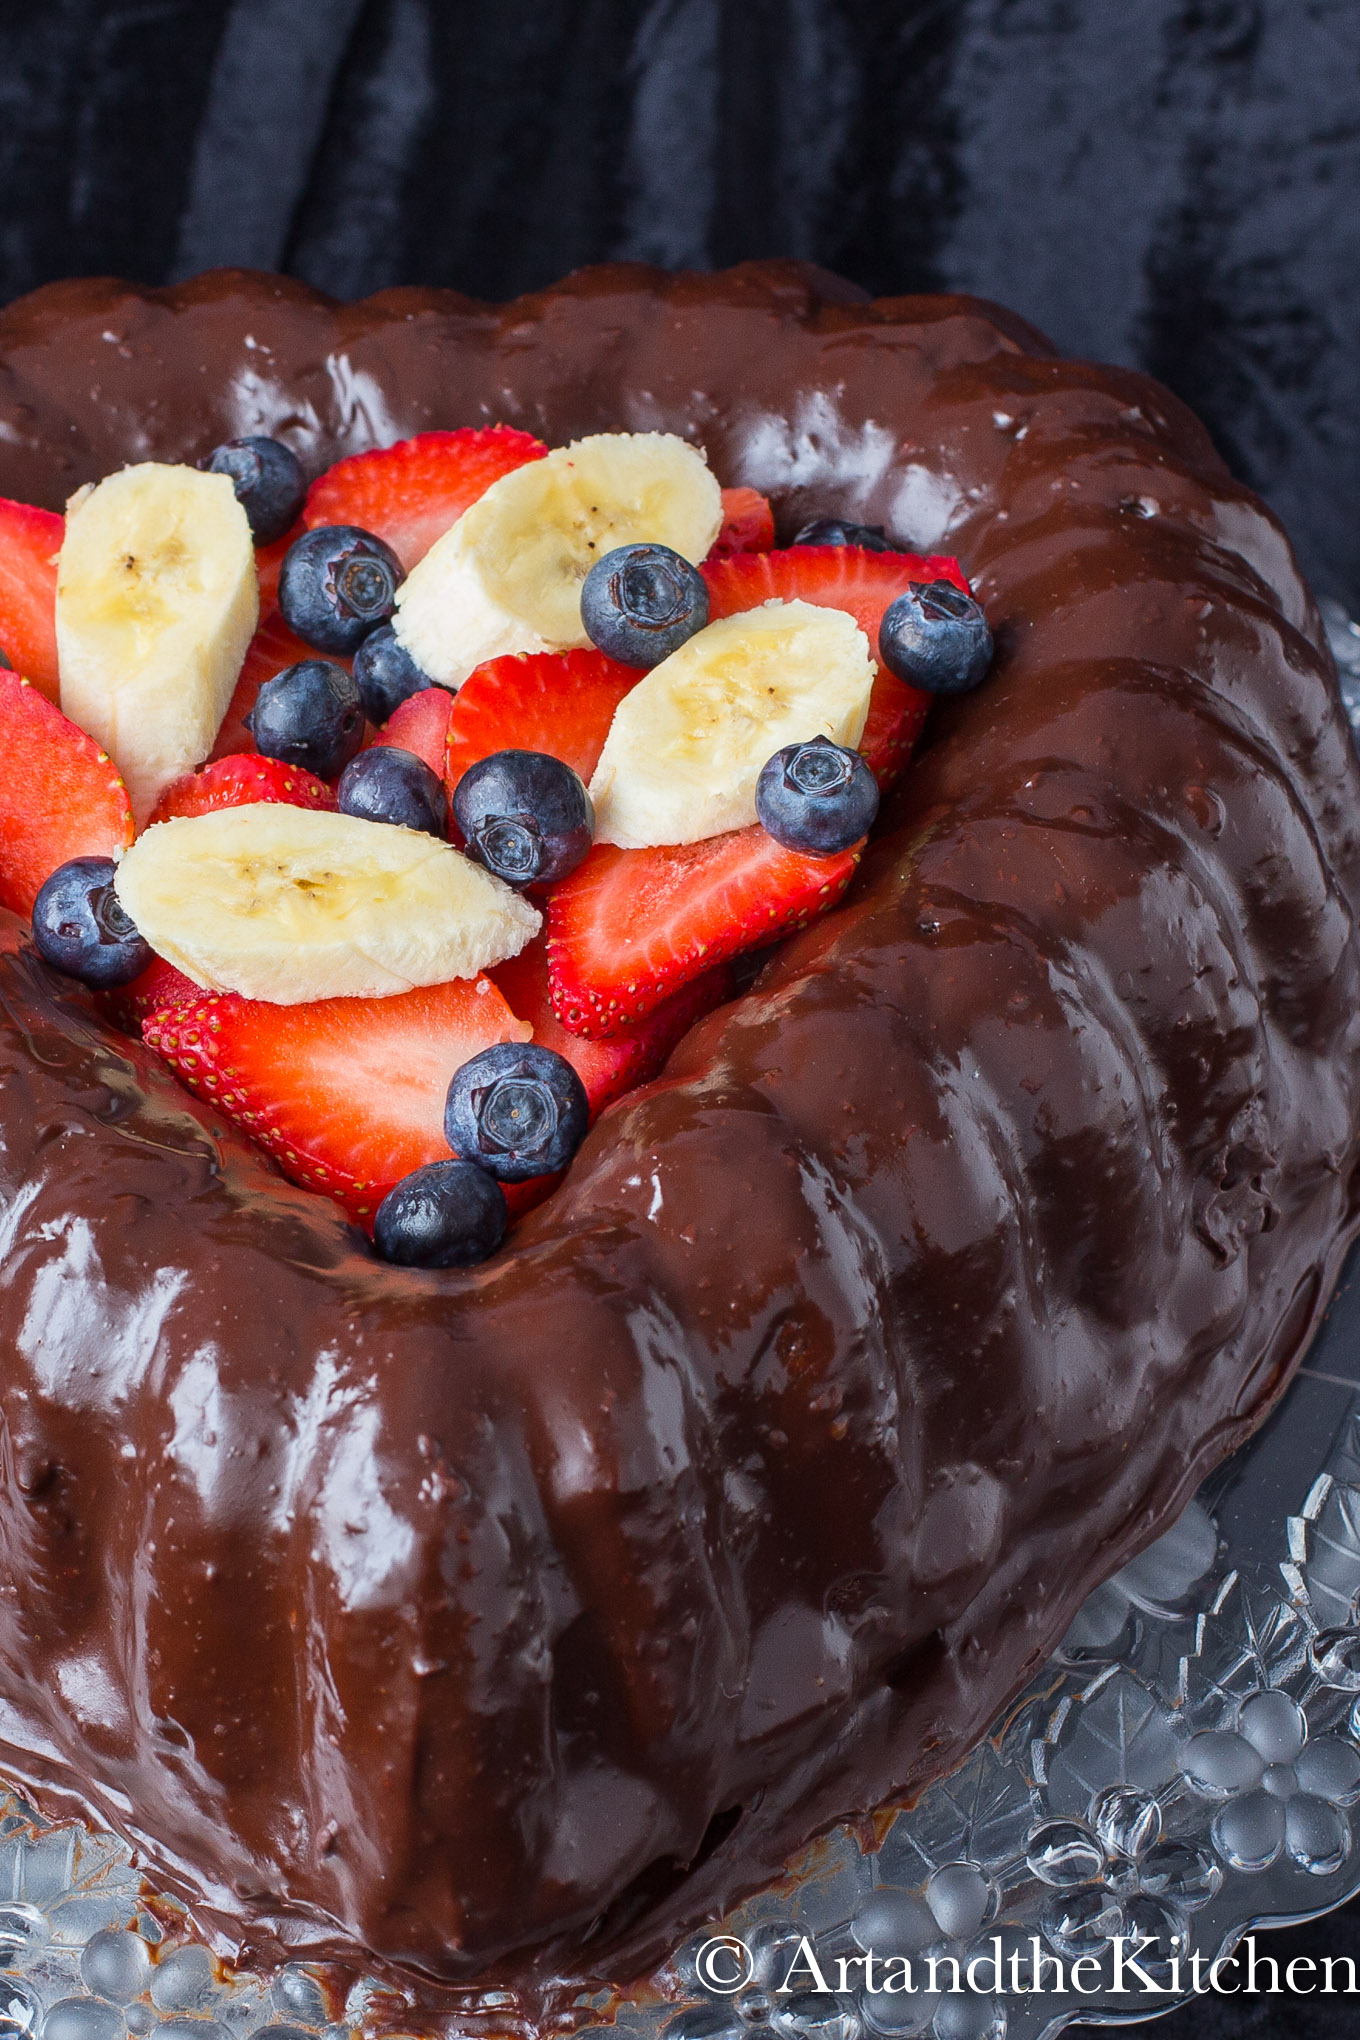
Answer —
346 1094
628 1058
896 713
747 526
60 795
271 649
561 703
268 564
242 780
29 543
421 724
842 577
628 928
159 987
412 492
834 576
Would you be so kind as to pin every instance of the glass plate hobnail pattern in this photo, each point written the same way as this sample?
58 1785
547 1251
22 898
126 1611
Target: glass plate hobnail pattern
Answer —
1186 1768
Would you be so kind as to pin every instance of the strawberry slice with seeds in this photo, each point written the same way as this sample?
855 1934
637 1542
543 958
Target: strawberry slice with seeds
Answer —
863 583
271 649
421 724
159 987
561 703
60 795
410 493
834 576
747 526
347 1095
242 780
896 714
628 1058
629 928
29 543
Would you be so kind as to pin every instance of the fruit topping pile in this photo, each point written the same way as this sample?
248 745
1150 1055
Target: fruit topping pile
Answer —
413 817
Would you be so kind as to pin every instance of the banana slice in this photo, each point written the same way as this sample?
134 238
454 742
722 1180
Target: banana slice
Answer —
686 746
157 600
289 904
507 576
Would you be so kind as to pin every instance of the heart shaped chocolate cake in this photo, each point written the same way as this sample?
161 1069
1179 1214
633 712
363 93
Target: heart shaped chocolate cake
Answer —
496 1624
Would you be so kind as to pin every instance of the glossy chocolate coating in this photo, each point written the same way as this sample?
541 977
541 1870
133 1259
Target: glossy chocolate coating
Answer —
504 1622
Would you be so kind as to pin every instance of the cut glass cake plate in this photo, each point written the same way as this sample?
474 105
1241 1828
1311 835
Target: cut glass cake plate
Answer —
1186 1768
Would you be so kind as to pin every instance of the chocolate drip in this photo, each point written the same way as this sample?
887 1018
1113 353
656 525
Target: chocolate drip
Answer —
503 1623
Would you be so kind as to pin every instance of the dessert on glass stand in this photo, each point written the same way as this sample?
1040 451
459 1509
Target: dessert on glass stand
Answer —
679 1005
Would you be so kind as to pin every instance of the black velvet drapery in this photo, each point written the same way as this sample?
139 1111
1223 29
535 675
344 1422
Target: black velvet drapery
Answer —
1174 183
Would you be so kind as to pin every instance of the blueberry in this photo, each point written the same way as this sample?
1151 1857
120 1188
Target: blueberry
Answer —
840 531
385 784
386 673
816 797
526 816
446 1215
309 715
81 927
935 637
640 602
268 479
518 1110
335 584
6 663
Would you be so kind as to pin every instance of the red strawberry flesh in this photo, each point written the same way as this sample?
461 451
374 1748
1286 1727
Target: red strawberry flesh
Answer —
561 703
159 987
896 713
242 780
747 526
60 795
269 560
421 724
409 494
346 1094
629 928
833 576
609 1068
863 583
29 543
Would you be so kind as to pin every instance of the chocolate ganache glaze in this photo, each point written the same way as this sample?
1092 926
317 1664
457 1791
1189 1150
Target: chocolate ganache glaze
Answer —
503 1623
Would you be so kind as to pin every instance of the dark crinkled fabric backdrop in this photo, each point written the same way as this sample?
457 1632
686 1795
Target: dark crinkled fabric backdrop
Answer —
1173 183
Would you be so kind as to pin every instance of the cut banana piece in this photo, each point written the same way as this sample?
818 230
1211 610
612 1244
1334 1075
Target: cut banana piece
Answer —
289 904
507 576
157 600
687 744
